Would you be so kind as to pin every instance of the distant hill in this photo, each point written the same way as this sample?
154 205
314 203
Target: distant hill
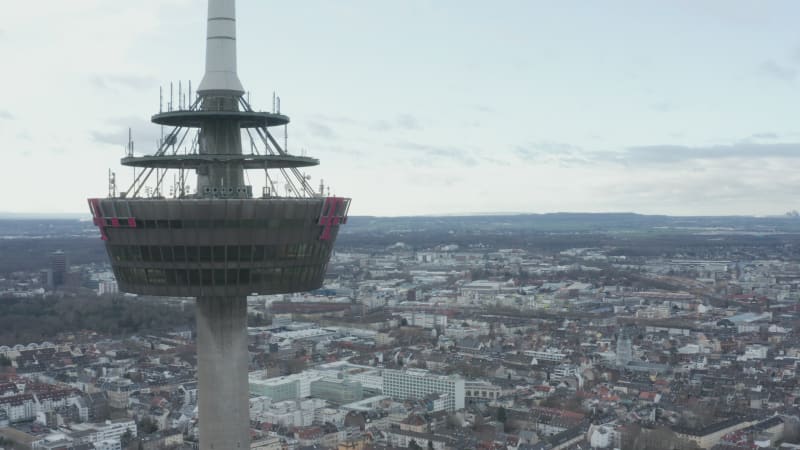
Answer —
43 216
576 222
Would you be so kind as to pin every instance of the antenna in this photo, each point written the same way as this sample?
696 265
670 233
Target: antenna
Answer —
170 96
160 99
130 142
191 100
180 94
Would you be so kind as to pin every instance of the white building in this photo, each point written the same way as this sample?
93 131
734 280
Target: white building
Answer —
290 413
564 371
283 388
106 434
425 320
755 351
417 383
603 436
369 377
482 390
107 287
19 408
548 354
485 290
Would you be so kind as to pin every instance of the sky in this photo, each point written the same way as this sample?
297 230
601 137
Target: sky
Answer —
430 107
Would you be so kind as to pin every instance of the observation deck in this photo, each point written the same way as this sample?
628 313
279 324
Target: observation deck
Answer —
194 161
219 247
219 241
200 118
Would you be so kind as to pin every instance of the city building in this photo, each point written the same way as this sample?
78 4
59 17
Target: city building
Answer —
417 384
58 269
624 348
337 391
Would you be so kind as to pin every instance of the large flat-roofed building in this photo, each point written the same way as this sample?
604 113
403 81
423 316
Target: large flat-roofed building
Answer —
417 384
482 390
278 389
548 354
370 378
338 391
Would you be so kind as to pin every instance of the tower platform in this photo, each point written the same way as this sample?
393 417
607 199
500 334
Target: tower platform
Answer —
219 247
195 161
198 119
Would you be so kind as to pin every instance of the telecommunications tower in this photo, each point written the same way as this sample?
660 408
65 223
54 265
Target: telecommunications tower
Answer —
220 242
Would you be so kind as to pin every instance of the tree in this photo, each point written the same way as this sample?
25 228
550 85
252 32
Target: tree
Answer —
413 445
501 415
430 444
147 425
453 422
296 365
126 438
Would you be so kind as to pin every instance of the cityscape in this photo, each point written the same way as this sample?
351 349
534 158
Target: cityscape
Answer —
655 332
214 286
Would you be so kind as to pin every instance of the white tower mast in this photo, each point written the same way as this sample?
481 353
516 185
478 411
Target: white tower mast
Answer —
221 77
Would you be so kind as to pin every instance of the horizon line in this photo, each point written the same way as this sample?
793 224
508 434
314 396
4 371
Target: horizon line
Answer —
5 215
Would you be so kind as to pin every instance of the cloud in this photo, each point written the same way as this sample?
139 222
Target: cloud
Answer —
341 120
320 130
666 154
431 154
568 155
408 122
380 125
662 107
481 108
765 135
552 152
5 115
403 121
145 134
707 192
135 82
778 71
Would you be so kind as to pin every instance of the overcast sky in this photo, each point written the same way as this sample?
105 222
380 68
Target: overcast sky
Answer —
431 107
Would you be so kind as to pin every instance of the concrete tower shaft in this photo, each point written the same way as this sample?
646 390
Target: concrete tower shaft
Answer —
221 77
220 137
222 361
222 358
